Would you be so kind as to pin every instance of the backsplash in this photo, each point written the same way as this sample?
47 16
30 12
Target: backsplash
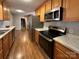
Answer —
1 23
4 23
73 27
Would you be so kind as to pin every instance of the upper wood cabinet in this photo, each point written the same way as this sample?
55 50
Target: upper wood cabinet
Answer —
6 11
48 5
56 3
71 10
42 12
37 12
1 11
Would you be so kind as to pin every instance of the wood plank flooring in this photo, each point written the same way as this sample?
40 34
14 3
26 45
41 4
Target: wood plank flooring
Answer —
24 48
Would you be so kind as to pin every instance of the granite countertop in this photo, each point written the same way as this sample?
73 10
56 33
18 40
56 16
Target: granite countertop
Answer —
41 29
70 41
7 31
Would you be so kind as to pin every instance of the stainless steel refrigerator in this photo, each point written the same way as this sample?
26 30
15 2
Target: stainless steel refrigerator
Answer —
33 22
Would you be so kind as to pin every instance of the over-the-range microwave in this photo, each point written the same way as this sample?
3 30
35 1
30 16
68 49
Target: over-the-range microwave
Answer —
54 15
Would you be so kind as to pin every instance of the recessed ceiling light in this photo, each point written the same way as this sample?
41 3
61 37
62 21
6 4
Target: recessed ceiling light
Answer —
6 9
21 11
27 0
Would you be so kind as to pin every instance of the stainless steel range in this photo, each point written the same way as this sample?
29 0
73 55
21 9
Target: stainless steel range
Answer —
46 39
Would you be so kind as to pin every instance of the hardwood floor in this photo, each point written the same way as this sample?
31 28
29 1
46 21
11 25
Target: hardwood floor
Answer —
24 48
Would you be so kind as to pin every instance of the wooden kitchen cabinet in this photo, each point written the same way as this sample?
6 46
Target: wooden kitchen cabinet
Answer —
71 8
1 1
5 46
61 52
48 5
1 11
42 12
37 36
1 51
1 54
10 38
37 12
56 3
6 11
60 55
7 43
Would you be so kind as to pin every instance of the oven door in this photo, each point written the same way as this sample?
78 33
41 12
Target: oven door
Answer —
46 44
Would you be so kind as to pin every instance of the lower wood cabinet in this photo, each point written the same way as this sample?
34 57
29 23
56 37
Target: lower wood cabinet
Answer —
5 46
61 52
1 54
37 37
7 43
10 39
60 55
1 51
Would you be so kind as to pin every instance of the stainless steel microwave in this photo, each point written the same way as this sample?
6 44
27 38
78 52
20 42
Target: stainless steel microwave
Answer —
54 15
48 16
58 14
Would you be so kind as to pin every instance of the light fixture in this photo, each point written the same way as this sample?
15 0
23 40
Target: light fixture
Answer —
6 9
21 11
27 0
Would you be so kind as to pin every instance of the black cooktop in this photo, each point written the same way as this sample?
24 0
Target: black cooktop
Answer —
50 35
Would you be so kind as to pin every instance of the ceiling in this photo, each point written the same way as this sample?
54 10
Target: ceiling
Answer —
25 5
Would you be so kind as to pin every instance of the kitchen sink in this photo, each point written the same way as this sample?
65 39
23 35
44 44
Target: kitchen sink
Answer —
3 31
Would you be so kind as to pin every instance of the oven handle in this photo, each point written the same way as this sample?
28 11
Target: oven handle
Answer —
50 40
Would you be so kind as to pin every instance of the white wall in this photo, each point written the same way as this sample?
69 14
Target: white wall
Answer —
26 21
17 21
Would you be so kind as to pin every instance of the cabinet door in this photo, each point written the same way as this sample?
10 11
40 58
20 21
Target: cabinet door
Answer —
61 51
58 54
48 5
1 51
37 37
10 39
5 13
1 12
1 1
37 12
56 3
42 11
5 46
71 9
1 54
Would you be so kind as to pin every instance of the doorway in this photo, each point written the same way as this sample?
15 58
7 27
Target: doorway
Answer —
23 24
